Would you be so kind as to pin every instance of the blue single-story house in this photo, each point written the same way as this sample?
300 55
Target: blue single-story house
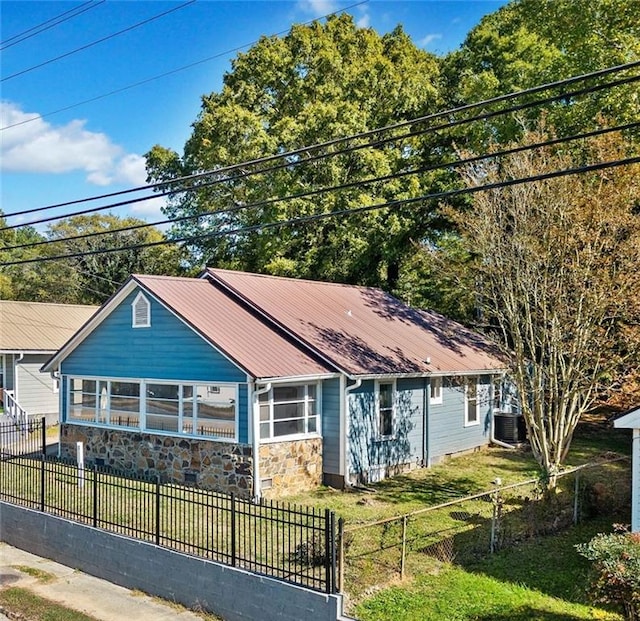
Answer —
264 385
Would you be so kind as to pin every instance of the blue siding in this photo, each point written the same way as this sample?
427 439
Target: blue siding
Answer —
331 426
447 431
366 451
167 350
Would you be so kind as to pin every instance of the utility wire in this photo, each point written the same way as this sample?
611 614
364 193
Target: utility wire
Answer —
343 212
168 73
344 186
107 38
297 152
50 23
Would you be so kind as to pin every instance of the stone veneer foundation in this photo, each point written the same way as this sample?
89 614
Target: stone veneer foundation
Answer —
285 467
221 466
290 467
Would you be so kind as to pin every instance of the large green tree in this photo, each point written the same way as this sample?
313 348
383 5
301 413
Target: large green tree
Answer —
531 42
97 276
320 82
84 278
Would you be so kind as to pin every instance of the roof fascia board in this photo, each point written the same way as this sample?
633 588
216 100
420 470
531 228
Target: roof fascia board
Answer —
296 378
227 287
374 376
105 310
631 420
28 351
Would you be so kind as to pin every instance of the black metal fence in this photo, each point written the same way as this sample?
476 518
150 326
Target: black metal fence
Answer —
281 540
23 437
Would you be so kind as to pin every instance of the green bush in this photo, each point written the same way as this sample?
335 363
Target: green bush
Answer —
616 570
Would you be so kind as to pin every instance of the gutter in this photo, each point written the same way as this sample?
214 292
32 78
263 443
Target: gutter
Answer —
256 439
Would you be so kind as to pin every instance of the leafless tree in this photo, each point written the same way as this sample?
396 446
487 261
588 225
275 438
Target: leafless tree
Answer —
558 274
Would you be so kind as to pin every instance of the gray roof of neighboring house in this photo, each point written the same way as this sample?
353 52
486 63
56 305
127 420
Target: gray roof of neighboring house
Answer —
361 330
40 326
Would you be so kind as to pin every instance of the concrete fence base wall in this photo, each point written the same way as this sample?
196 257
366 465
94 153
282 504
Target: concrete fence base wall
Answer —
232 593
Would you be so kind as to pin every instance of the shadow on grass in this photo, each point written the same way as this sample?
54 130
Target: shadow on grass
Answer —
549 564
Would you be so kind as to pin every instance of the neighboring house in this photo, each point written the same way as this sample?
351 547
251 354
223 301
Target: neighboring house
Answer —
245 382
631 420
30 333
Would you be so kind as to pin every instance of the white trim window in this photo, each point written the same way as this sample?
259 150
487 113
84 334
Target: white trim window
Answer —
385 408
290 411
140 312
471 402
203 410
435 390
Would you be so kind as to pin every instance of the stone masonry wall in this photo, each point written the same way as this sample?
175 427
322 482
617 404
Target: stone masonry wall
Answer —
220 466
292 467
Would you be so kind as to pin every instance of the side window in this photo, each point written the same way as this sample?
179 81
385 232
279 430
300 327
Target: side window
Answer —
140 312
435 394
385 408
472 412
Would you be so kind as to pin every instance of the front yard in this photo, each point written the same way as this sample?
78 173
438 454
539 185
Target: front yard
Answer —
535 576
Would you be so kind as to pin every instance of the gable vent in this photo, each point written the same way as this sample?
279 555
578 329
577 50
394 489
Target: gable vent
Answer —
141 312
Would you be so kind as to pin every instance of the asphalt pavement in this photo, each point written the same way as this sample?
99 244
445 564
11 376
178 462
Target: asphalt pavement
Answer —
74 589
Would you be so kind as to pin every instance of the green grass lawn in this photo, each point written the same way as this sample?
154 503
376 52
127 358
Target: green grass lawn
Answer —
23 604
545 579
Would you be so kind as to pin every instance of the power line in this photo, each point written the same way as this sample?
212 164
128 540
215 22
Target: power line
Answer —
366 134
344 212
50 23
88 45
168 73
307 194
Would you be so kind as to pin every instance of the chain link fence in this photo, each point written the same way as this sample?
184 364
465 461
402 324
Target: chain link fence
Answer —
475 526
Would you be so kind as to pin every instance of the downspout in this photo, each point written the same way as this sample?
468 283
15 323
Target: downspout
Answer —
15 375
256 439
347 391
55 376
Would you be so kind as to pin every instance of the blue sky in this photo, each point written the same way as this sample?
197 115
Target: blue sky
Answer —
97 147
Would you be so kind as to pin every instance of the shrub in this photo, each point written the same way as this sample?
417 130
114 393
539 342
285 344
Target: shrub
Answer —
616 570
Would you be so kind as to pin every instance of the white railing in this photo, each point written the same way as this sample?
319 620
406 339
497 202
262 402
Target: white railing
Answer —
14 410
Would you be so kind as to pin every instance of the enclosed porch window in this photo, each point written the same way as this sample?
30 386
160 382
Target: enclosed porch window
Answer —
176 408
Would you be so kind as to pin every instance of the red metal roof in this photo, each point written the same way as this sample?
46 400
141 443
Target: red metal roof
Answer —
239 333
364 331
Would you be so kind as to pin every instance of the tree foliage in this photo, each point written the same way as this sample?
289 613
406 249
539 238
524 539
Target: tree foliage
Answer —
616 570
88 279
556 277
531 42
320 82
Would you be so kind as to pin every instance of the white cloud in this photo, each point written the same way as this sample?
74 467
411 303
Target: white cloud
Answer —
40 147
150 210
317 8
364 21
428 39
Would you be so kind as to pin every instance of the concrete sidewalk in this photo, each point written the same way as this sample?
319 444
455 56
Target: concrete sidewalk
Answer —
74 589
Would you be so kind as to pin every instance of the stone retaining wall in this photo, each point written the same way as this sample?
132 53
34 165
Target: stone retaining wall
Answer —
221 466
